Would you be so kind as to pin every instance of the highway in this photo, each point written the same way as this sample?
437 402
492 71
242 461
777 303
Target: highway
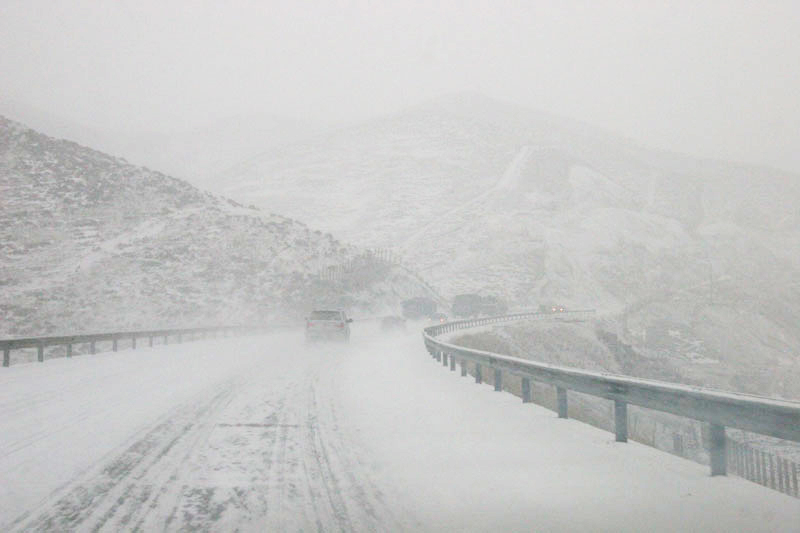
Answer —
266 433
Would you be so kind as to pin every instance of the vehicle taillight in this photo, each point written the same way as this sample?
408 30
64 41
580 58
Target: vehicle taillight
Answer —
340 324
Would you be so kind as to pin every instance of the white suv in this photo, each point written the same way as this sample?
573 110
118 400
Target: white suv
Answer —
328 324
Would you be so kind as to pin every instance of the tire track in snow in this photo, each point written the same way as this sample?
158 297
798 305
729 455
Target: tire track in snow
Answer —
263 451
355 499
324 468
93 502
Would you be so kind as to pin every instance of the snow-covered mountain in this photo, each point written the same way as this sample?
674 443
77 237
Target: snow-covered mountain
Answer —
90 242
484 196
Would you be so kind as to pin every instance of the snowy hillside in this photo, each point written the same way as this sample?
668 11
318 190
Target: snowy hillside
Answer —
484 196
90 242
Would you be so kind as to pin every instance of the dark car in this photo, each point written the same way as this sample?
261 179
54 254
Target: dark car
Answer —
439 318
328 325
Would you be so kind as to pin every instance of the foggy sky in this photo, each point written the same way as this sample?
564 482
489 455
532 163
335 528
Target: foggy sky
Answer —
720 79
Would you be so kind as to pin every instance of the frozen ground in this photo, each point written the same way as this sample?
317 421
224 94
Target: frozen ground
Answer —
264 433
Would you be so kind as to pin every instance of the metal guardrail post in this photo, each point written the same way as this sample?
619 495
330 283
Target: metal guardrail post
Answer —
444 358
621 421
6 356
463 367
526 390
717 450
771 472
452 363
114 344
478 373
69 350
561 398
92 347
747 465
498 380
764 469
133 342
40 353
166 339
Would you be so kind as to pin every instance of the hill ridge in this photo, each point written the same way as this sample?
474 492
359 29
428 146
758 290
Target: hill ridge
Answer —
91 242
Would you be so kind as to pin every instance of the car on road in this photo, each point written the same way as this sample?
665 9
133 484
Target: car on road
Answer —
552 308
328 324
439 318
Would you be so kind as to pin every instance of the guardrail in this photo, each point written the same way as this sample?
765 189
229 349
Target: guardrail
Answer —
447 327
40 343
765 416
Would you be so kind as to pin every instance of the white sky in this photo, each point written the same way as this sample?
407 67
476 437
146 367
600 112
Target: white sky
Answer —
719 79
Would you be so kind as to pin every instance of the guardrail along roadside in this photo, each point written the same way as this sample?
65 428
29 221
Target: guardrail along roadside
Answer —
91 340
719 409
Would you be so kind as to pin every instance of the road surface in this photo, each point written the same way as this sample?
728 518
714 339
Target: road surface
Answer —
268 434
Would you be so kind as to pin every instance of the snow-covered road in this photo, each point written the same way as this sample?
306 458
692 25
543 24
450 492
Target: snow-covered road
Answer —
264 433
